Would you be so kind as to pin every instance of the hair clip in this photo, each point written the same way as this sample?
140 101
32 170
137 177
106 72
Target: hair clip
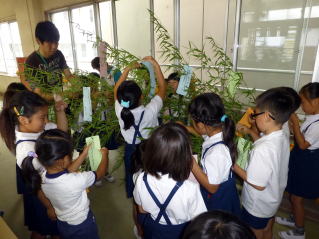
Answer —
32 154
125 104
22 110
16 111
223 118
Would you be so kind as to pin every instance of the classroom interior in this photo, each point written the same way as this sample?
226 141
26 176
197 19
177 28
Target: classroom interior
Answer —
272 42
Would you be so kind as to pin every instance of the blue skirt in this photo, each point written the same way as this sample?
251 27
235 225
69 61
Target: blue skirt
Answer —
154 230
128 163
35 213
226 198
85 230
303 174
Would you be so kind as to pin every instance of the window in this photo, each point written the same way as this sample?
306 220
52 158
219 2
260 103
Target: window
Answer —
79 28
10 47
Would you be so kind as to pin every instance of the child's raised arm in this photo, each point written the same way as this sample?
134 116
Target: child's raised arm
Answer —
299 137
159 76
123 77
75 165
61 119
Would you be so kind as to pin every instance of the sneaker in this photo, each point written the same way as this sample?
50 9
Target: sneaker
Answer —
286 221
98 183
109 178
136 232
291 234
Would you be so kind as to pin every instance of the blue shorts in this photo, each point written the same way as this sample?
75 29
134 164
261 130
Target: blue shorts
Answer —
252 221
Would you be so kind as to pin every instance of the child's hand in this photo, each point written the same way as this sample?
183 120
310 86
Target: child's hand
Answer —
294 120
104 151
86 150
180 123
51 214
60 106
149 58
134 65
242 129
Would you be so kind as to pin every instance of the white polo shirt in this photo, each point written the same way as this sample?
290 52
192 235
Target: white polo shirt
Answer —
25 147
286 130
150 118
186 204
217 162
312 133
67 194
268 167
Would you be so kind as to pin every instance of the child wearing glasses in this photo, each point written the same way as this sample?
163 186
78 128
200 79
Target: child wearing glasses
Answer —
265 178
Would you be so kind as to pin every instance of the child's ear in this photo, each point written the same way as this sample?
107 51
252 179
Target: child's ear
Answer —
200 126
315 102
38 41
23 120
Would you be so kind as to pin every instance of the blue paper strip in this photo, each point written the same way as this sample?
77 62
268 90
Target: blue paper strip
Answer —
150 69
184 81
87 105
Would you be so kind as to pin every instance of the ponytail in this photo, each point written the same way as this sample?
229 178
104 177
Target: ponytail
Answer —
128 94
30 174
228 128
8 121
127 117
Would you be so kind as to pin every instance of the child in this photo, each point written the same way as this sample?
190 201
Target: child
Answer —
21 123
47 57
63 185
266 175
303 176
255 133
219 153
173 81
11 90
166 198
135 118
217 225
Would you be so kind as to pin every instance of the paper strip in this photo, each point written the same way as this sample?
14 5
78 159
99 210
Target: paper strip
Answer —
184 81
87 105
95 155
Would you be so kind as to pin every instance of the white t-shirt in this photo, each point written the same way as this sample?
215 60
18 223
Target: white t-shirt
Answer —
286 130
186 204
67 194
217 161
150 118
25 147
312 133
268 167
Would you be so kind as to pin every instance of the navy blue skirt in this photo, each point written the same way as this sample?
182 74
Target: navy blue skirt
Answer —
303 174
225 199
128 163
85 230
35 213
154 230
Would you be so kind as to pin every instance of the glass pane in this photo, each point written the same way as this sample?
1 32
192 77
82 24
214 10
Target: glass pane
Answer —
106 22
85 36
133 26
269 38
164 11
2 62
61 21
16 41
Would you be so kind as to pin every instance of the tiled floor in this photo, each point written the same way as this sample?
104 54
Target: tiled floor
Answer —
108 202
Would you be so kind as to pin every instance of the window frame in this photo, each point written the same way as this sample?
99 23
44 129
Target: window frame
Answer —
97 20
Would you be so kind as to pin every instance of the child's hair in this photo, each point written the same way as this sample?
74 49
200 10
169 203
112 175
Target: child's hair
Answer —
11 90
310 90
217 225
95 63
294 97
24 103
47 31
168 151
52 145
173 76
208 109
279 105
129 92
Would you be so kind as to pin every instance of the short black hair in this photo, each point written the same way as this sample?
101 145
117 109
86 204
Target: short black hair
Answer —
173 76
47 31
294 96
310 90
277 102
218 225
168 151
95 63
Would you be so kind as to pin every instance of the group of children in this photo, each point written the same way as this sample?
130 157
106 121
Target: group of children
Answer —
172 189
